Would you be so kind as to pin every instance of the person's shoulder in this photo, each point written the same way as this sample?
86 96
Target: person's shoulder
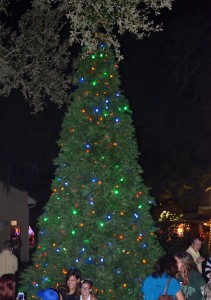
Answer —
174 285
13 255
196 275
149 277
189 249
63 293
148 280
174 281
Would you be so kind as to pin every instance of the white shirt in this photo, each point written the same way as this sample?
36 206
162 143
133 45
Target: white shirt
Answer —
195 256
8 263
89 298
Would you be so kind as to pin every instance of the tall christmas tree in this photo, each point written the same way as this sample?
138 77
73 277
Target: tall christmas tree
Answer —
98 217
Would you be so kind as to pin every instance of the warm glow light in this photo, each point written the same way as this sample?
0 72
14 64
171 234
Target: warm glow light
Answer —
180 230
14 223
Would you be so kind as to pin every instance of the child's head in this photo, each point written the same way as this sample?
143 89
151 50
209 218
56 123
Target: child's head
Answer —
49 294
86 287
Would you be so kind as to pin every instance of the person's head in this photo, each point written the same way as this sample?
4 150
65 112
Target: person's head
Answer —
185 263
166 264
7 287
73 280
86 287
196 243
7 245
48 294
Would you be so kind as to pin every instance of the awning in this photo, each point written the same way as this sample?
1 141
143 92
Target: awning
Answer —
31 202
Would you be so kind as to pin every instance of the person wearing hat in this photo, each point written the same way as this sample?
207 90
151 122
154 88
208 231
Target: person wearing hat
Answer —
8 261
49 294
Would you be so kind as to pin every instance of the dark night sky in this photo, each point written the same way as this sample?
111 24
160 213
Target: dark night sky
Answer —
172 120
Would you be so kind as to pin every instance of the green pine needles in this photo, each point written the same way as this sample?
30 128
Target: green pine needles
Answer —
98 217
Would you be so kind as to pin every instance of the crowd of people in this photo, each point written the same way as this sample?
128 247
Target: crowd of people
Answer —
75 288
180 275
183 275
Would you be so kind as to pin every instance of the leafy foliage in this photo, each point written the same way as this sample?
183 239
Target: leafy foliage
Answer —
94 20
169 216
35 61
35 55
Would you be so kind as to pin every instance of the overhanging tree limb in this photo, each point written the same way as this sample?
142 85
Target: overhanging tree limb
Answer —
40 48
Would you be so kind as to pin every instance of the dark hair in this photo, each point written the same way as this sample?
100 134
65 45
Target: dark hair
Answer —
8 244
7 287
195 238
88 281
77 273
74 272
165 264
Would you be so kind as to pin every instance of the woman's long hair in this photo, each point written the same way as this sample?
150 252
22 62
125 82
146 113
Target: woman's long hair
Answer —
165 264
188 265
77 273
7 287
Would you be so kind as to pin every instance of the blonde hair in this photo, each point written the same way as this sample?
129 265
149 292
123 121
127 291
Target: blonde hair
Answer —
188 265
